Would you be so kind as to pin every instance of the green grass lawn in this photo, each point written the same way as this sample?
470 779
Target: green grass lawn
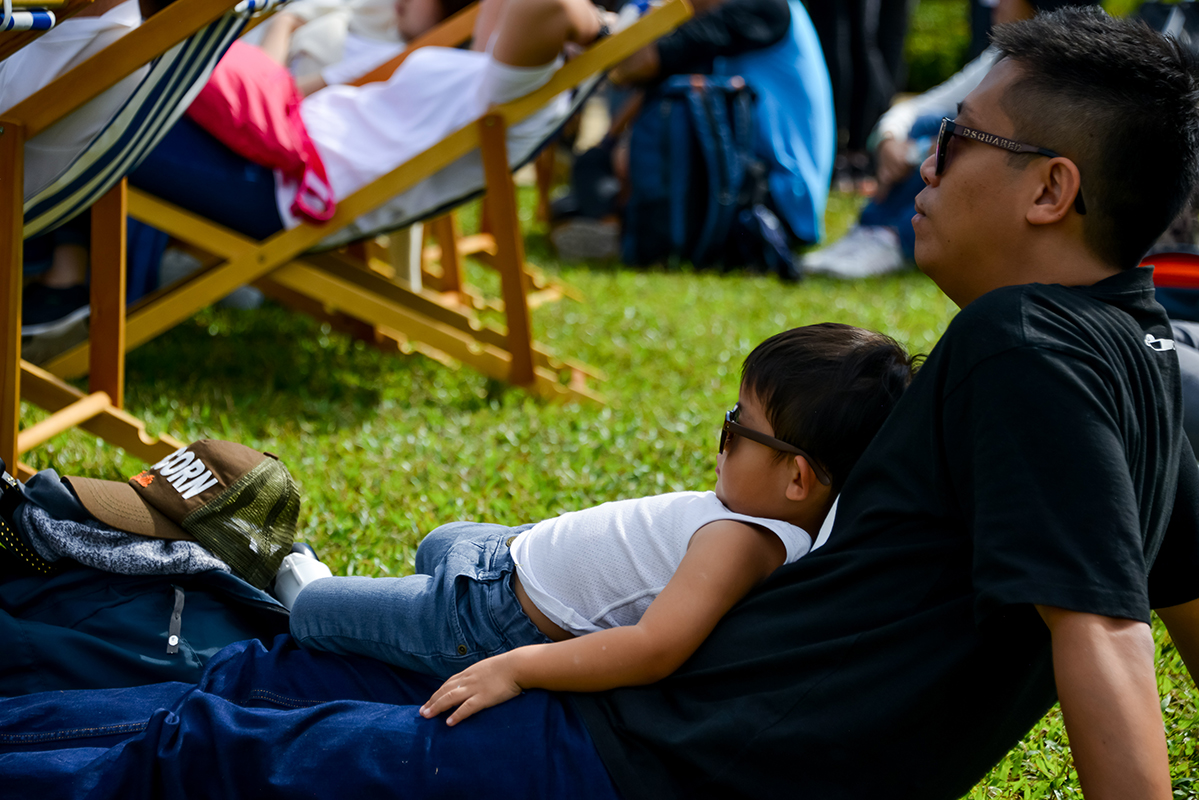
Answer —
387 447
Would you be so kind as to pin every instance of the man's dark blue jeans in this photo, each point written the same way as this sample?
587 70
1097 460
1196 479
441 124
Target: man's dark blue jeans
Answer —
289 723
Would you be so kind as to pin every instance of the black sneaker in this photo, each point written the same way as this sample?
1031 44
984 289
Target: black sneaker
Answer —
45 310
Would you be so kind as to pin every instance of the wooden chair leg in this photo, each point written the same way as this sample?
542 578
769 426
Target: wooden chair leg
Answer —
547 159
108 251
12 223
445 229
405 256
510 246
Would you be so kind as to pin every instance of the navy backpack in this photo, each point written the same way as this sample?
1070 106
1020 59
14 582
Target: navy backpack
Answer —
697 190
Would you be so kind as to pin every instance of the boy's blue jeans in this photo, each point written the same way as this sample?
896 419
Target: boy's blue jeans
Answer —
459 607
291 723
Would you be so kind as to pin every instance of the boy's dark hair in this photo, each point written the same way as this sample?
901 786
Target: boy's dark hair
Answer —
1118 99
827 389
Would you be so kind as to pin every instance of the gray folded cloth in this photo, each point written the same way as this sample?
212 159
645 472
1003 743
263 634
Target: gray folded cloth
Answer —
94 544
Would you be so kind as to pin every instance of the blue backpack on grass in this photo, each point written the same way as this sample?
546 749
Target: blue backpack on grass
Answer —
698 192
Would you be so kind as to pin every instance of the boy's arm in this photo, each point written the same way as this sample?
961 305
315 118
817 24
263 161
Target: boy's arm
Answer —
724 560
1104 671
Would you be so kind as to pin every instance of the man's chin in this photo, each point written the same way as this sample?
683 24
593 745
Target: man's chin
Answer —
920 262
924 259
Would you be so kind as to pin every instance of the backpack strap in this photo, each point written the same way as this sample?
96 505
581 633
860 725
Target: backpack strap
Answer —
676 157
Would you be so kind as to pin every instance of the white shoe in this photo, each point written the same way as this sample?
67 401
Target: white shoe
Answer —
297 571
865 251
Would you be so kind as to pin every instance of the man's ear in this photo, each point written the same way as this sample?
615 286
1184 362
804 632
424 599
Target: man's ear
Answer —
1059 183
803 483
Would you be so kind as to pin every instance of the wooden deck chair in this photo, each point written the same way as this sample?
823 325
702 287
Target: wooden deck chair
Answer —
335 283
180 44
406 254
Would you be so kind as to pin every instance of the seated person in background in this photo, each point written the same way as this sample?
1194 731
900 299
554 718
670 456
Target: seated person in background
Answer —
883 240
772 45
364 132
325 43
623 593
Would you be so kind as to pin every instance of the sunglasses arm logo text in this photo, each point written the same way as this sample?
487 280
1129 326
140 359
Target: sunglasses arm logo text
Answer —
990 138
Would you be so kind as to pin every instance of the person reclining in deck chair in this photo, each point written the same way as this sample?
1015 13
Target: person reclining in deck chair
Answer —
364 132
999 545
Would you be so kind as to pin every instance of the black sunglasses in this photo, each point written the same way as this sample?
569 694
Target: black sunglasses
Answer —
949 129
731 428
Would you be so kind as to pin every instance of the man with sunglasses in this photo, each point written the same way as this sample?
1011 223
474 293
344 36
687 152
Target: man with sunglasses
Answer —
1001 543
883 240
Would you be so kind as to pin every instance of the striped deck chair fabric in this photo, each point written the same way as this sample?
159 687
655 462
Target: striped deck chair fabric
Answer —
160 99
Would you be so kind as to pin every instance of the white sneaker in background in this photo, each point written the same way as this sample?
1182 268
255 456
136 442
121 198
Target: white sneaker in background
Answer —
865 251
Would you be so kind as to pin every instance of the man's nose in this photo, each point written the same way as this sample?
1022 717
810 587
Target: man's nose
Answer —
928 169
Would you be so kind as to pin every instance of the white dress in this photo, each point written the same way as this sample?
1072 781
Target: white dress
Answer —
364 132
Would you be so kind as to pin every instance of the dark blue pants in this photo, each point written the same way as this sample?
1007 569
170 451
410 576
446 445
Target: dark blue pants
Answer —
290 723
193 170
896 211
897 208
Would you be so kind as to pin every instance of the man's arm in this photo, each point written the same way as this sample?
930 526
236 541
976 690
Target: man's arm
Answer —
1104 671
1182 621
723 562
719 28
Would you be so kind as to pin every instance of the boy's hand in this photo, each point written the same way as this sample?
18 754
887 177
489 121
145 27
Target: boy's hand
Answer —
479 686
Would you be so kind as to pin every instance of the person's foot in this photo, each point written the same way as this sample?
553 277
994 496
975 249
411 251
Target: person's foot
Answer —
299 568
47 310
865 251
582 238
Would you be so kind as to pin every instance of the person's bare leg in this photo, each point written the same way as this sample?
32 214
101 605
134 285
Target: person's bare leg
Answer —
68 267
533 32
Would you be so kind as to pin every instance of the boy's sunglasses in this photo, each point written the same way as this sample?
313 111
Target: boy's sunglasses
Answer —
731 429
950 129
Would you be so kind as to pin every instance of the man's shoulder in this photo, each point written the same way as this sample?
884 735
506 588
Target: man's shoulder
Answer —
1008 318
1056 316
1101 328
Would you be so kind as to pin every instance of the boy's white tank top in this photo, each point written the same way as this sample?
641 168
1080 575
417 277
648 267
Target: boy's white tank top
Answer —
601 567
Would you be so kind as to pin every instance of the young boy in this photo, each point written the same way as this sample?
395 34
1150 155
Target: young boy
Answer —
499 610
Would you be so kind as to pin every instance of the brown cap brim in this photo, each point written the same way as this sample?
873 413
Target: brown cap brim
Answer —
118 505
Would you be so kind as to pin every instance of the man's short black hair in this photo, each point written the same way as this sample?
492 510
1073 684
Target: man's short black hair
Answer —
827 389
1118 99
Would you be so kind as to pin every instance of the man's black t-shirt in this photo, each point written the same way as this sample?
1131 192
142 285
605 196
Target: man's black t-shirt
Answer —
1034 460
